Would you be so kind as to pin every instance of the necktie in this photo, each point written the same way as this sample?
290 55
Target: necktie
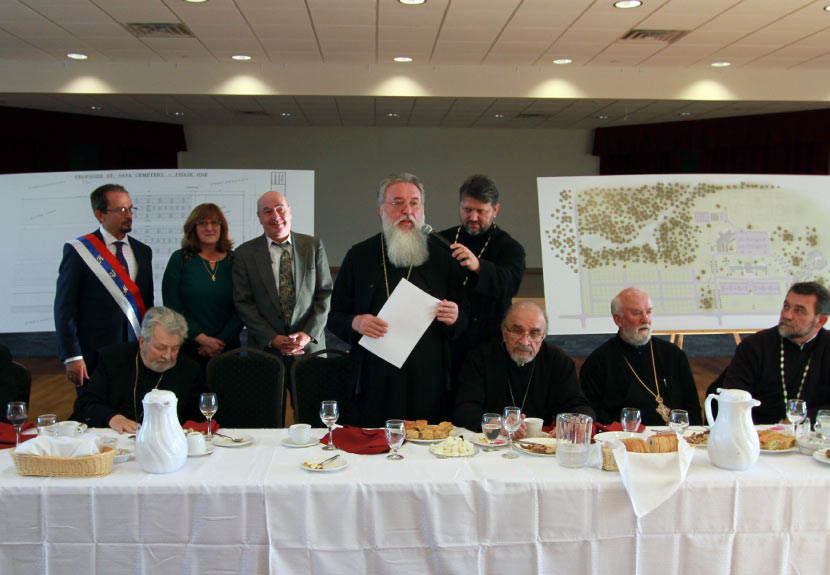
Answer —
119 255
287 295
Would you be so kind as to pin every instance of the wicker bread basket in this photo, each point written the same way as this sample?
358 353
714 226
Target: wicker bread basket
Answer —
608 461
48 466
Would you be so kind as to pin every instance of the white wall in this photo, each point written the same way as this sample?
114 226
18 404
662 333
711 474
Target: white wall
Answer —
349 163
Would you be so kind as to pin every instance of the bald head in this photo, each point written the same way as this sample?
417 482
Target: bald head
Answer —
275 215
632 313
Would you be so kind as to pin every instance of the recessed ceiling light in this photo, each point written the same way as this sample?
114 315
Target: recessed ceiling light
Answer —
498 116
77 56
412 2
285 114
392 115
721 64
241 57
827 8
195 1
95 108
685 113
403 59
628 4
562 61
603 117
179 114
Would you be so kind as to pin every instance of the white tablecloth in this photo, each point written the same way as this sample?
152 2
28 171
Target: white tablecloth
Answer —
255 510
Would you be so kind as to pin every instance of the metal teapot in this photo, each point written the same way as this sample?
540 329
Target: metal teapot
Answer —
733 442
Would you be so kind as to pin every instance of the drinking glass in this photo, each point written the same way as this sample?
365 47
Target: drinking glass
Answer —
16 415
512 421
823 423
491 426
678 421
47 424
796 411
208 405
630 419
395 434
329 414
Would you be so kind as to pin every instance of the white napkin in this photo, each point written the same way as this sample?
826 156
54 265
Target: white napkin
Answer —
651 478
61 446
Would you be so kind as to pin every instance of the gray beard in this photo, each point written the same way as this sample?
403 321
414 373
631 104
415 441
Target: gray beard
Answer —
405 247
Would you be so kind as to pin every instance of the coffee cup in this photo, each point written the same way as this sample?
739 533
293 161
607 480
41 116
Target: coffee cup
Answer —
534 426
195 443
300 433
69 429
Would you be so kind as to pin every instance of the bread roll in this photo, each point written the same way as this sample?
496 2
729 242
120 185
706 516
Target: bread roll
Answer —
662 443
635 445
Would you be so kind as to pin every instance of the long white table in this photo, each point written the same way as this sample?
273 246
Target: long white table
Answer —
255 510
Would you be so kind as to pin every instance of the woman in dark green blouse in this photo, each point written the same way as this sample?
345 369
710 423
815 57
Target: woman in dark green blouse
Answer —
197 284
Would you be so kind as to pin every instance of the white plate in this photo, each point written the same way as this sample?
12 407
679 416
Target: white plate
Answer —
288 443
335 465
224 442
125 456
612 435
790 450
540 440
442 456
690 432
208 450
482 441
821 455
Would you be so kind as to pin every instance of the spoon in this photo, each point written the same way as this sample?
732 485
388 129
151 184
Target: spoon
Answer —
234 439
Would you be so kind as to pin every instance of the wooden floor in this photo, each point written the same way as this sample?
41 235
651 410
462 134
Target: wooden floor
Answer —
52 392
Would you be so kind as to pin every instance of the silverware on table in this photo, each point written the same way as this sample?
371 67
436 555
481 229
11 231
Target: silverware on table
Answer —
234 439
329 460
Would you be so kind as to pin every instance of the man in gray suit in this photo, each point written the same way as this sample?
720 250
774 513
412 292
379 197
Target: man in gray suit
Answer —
282 284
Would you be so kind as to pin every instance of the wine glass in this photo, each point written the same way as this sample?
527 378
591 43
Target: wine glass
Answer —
678 421
822 425
16 415
512 421
630 419
329 414
491 426
395 434
796 411
208 405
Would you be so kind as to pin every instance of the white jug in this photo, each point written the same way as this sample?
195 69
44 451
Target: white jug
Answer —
161 446
733 442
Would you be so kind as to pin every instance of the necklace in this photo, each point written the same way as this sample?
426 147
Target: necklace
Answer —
481 253
383 261
803 375
212 273
529 381
135 389
661 407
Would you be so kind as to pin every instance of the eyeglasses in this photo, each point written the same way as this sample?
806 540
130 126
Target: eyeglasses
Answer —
206 223
270 211
518 333
399 204
122 211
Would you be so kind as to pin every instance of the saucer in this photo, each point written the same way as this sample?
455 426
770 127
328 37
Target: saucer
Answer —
208 450
288 443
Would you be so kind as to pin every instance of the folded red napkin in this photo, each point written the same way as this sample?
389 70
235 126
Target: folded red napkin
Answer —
8 435
201 425
359 440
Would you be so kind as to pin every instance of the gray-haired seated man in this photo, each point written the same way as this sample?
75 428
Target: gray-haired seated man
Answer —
125 372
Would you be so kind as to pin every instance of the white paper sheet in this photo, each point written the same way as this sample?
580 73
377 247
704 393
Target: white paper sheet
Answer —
408 311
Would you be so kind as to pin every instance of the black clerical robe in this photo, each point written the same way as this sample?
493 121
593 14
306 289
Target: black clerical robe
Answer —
756 368
610 384
379 390
490 381
113 385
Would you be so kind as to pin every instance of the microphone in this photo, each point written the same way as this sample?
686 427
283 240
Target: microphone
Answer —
430 231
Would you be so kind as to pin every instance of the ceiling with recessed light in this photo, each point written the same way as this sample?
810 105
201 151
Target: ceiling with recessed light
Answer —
474 63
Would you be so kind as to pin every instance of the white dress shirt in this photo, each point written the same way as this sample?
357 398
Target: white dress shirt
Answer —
126 249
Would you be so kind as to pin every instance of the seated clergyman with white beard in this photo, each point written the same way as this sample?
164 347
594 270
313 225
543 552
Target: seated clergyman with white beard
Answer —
521 370
632 369
369 274
127 371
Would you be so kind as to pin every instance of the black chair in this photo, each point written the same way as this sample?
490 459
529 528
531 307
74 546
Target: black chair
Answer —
249 384
15 381
315 379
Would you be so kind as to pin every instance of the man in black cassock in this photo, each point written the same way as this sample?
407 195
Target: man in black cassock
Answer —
493 262
798 346
369 274
519 369
632 369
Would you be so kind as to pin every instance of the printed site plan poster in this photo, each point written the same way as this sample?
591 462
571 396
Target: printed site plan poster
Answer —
42 211
714 251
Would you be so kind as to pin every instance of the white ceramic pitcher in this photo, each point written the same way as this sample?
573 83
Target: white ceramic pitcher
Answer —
161 446
733 442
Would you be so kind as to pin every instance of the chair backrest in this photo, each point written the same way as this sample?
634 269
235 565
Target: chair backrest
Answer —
249 384
316 378
15 385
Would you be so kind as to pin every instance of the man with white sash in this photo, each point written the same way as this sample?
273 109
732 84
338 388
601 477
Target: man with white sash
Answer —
105 284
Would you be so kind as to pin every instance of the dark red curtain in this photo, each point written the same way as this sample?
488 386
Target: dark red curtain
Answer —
791 143
38 141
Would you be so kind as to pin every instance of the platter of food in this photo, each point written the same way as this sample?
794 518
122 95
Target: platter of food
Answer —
538 446
697 438
419 431
774 441
822 455
453 447
320 465
482 441
122 455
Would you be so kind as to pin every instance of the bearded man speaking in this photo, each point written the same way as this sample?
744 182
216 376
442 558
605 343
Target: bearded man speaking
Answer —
126 372
369 274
